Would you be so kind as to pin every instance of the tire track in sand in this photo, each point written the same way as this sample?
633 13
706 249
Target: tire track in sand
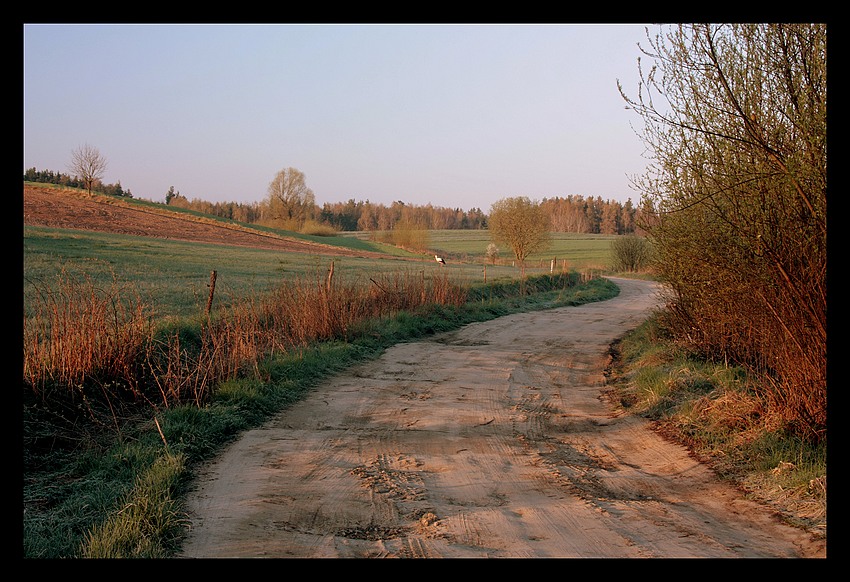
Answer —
490 441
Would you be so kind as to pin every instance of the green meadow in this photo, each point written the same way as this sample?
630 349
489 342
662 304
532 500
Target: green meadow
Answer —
580 251
174 275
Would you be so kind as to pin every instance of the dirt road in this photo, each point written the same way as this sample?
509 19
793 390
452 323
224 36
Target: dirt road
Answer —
492 441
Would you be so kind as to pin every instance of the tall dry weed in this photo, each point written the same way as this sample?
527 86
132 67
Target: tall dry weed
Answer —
78 334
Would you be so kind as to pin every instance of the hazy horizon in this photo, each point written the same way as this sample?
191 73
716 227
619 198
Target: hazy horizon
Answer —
456 116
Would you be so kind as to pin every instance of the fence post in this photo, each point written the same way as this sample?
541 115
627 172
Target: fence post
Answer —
212 291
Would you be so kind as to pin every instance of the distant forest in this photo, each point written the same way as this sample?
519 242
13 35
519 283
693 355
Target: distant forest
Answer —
572 213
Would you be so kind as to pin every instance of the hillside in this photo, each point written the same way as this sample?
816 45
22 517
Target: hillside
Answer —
61 208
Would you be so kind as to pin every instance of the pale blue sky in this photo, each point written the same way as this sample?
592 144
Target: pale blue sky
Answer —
452 115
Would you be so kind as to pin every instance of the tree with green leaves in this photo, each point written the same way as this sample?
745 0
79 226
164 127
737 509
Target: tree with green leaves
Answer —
630 253
522 224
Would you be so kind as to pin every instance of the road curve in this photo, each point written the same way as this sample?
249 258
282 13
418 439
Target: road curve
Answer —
490 441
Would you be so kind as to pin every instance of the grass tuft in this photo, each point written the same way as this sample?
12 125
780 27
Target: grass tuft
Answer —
148 519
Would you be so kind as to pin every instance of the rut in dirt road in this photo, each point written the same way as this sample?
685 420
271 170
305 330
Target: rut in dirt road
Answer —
491 441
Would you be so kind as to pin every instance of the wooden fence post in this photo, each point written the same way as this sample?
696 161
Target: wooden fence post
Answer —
212 291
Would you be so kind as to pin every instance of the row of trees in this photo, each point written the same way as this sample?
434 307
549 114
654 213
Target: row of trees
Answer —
290 204
86 168
591 215
735 119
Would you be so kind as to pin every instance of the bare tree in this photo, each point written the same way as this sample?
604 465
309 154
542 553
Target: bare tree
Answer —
87 164
521 224
291 202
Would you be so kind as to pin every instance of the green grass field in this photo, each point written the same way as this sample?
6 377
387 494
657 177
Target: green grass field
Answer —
174 275
579 250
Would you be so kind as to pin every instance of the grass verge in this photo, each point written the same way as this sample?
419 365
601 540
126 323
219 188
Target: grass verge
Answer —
714 410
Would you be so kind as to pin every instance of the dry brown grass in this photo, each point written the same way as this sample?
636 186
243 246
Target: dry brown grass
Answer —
80 337
80 334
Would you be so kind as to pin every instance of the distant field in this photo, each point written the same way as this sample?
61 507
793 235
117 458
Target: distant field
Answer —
151 253
579 250
174 275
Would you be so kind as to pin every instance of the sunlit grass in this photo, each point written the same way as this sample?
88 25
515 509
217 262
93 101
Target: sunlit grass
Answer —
713 409
577 250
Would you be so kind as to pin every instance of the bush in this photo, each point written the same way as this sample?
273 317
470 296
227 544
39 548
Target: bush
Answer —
631 253
314 228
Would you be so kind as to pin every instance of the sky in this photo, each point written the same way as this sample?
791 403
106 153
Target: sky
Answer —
456 116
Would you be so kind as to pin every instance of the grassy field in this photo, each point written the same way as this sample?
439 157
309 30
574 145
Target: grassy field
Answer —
176 274
77 491
580 251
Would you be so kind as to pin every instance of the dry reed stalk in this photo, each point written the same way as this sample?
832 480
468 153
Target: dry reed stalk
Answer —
78 333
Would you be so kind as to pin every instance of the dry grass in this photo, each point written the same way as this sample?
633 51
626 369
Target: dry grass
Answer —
79 334
79 338
724 417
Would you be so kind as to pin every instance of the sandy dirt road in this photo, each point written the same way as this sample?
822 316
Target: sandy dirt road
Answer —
491 441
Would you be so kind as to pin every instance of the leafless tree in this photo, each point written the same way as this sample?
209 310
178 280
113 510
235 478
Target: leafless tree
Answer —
290 201
88 164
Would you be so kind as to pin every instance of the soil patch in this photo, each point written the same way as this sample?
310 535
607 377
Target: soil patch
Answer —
69 209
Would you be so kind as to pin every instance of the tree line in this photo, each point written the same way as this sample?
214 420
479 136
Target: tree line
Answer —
291 205
60 179
573 213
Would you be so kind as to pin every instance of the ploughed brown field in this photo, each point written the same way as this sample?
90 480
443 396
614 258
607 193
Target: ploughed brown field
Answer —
69 209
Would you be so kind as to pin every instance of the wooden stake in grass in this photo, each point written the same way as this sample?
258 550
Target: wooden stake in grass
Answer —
212 291
162 436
